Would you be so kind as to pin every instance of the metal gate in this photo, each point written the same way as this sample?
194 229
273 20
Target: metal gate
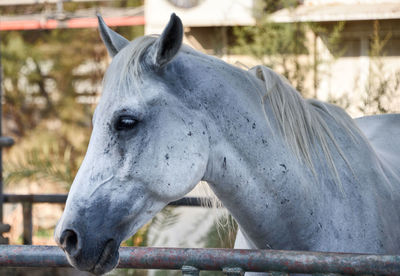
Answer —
231 261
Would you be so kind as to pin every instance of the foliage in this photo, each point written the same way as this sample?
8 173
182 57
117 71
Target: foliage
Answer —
46 233
47 74
40 94
274 44
222 234
284 46
382 87
380 91
163 220
47 155
48 78
333 40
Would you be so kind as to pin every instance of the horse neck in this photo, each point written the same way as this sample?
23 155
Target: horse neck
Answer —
242 126
251 169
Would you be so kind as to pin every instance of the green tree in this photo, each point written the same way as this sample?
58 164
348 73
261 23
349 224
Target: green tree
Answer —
40 94
382 88
284 46
45 73
275 44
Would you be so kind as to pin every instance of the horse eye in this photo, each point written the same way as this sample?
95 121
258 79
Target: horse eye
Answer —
125 122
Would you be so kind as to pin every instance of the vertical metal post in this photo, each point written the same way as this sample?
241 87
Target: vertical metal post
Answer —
1 133
4 142
233 271
27 217
188 270
3 227
333 274
60 7
364 61
315 64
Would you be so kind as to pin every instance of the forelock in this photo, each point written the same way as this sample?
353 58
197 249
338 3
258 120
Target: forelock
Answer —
133 57
128 65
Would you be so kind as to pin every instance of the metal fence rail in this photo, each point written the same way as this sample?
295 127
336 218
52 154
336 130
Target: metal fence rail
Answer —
228 260
61 198
27 201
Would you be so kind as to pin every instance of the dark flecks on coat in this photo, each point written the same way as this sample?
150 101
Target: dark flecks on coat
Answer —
284 168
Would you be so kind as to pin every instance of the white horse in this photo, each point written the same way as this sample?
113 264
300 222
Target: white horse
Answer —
294 173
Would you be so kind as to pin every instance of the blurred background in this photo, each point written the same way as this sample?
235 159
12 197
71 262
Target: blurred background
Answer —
343 51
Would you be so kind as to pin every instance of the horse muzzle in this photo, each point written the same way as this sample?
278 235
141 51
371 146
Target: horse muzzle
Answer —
108 259
94 256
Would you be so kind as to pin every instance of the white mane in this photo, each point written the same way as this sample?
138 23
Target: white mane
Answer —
134 55
129 65
300 121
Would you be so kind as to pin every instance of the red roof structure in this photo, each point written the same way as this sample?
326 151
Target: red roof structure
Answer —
79 19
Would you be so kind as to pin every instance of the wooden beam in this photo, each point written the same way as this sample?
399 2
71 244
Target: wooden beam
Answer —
33 2
74 23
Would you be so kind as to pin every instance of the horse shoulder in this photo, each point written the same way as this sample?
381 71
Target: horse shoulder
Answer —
383 132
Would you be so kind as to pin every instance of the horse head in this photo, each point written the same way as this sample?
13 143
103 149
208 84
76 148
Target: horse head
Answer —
147 148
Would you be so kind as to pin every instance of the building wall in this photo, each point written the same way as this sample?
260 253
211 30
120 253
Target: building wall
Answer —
347 76
206 13
330 2
208 28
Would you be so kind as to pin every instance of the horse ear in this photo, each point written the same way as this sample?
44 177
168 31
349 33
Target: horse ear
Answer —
113 41
168 44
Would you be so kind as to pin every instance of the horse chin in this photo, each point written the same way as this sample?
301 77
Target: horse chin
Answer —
108 259
106 262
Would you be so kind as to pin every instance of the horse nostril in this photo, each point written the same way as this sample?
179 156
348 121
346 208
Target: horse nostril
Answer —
69 242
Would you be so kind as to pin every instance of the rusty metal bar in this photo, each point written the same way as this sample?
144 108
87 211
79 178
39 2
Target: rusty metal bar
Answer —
215 259
35 198
6 141
27 222
189 202
4 228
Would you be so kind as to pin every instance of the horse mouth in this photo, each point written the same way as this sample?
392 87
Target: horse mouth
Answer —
108 259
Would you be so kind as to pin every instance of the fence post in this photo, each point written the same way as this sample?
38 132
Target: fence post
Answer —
27 217
4 142
4 228
335 274
188 270
233 271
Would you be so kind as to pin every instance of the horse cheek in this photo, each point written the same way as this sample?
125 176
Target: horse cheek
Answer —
185 167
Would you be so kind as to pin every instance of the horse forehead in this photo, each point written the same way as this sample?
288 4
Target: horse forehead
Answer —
135 95
118 84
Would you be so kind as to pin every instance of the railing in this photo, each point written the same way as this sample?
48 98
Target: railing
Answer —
230 261
190 260
27 202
